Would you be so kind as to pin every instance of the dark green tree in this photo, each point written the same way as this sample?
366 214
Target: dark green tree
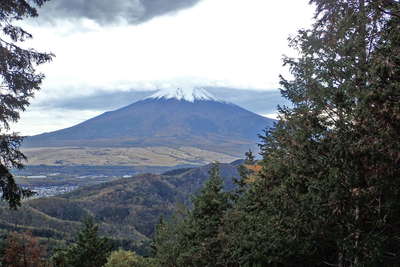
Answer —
329 187
89 250
206 222
328 193
195 240
250 158
169 239
18 83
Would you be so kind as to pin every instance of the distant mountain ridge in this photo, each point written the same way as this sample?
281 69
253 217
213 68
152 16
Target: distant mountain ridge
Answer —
171 118
127 208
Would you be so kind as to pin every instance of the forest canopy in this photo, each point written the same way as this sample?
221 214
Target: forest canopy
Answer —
328 189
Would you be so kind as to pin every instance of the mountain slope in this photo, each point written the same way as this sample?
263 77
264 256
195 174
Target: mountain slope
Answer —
172 118
127 208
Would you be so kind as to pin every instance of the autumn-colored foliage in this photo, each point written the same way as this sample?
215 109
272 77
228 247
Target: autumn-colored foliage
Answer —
23 250
254 168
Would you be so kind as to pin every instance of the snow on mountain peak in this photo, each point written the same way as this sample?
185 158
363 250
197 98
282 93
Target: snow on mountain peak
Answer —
187 94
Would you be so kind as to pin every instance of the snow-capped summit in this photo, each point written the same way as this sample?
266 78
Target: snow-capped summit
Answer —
187 94
169 118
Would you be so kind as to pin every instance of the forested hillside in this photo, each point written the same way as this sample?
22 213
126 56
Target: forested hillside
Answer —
127 209
327 190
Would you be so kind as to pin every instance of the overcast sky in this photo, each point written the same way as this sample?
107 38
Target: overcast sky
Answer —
112 53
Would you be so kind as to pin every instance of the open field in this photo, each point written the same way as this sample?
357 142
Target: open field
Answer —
132 156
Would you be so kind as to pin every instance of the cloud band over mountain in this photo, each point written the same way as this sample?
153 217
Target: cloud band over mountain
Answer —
112 11
261 102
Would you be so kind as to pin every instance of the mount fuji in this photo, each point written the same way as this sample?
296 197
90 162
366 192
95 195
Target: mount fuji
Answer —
169 118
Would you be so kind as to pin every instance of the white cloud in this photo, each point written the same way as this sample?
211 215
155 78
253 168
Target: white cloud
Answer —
271 115
233 43
36 121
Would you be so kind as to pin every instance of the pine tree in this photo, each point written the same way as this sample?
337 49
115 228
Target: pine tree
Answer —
195 240
250 158
169 240
18 82
89 250
329 191
206 220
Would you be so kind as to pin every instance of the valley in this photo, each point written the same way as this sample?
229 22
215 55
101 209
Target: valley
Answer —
130 167
56 170
127 209
171 129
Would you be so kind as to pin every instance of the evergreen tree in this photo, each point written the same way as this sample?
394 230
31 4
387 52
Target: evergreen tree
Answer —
250 159
18 82
205 222
329 187
89 250
329 190
195 240
169 240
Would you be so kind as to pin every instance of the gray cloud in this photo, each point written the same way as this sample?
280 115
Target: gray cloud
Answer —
112 11
262 102
101 100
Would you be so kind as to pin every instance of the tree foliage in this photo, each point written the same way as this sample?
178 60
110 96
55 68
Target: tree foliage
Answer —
23 250
88 250
122 258
18 83
328 190
194 239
